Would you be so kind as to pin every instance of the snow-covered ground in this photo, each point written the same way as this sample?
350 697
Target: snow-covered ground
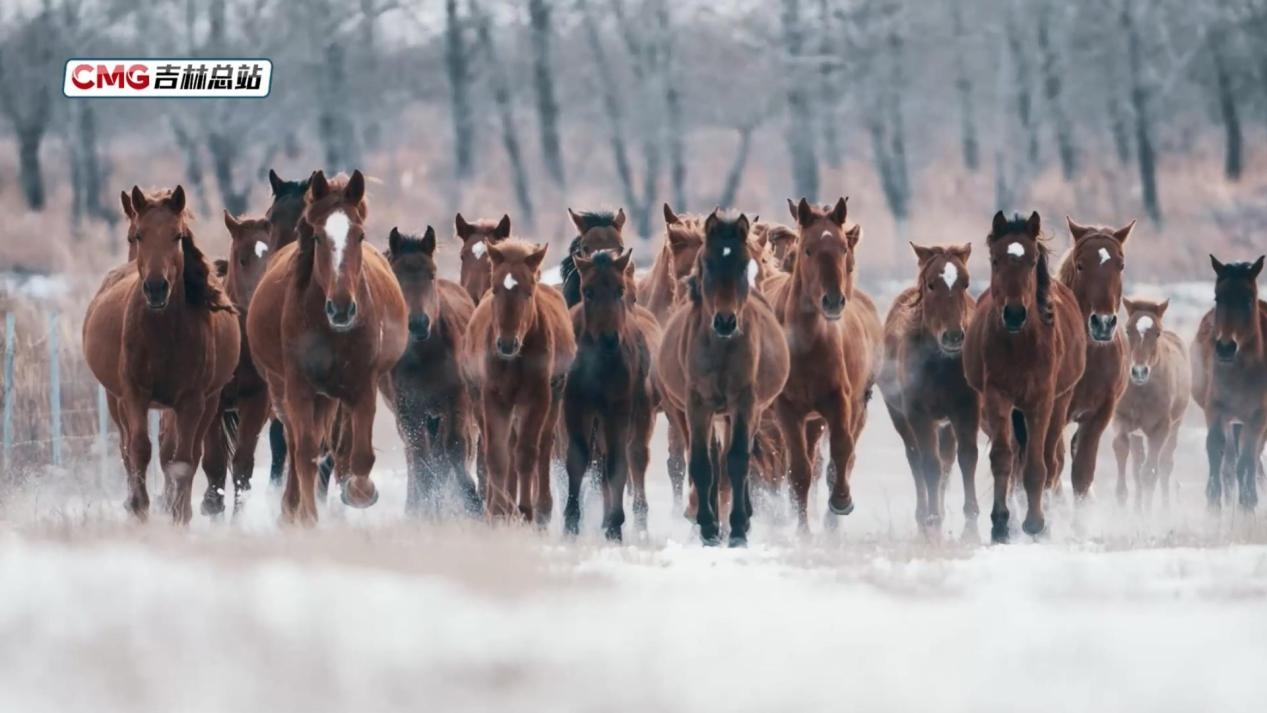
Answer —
370 612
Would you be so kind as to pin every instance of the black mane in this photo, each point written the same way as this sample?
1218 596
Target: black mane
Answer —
596 219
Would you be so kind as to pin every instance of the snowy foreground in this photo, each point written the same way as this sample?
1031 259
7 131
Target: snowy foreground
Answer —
1112 612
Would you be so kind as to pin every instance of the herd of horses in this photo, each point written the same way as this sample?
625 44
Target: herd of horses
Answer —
752 339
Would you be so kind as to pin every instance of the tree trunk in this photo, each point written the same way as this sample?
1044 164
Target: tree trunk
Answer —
1143 121
30 173
543 80
87 174
963 87
1053 88
1023 82
1233 161
224 150
192 151
831 88
457 66
1119 123
800 130
673 107
334 123
730 189
502 99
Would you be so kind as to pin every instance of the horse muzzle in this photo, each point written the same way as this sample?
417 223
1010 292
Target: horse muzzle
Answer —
341 318
1225 350
1014 317
951 341
725 325
833 307
1140 374
508 347
419 328
1102 327
156 293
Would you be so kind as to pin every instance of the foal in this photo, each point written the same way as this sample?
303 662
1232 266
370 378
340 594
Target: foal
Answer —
1092 269
723 355
933 409
595 231
610 397
160 333
1154 402
1229 377
516 355
476 273
425 389
1024 353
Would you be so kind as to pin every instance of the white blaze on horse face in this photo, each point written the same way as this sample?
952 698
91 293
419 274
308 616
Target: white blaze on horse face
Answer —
479 249
752 273
1143 324
261 247
1016 250
1104 255
725 252
510 282
337 226
950 275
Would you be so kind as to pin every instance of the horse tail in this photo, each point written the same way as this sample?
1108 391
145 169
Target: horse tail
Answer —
1019 429
229 431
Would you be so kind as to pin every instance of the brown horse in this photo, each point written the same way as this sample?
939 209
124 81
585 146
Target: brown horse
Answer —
160 333
516 355
425 389
328 320
1024 353
723 355
1229 378
1154 402
476 271
244 407
835 339
609 401
596 230
934 410
660 292
1092 269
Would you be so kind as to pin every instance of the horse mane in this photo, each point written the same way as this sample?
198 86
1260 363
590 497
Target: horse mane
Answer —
200 289
1042 291
291 188
1238 271
591 219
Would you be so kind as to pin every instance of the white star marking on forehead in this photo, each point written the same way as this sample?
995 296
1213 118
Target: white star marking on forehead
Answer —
337 226
752 273
1104 255
1143 324
950 274
1016 250
510 282
725 252
479 249
826 235
261 247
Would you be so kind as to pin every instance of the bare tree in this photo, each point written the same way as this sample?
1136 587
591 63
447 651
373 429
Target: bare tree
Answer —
963 88
539 14
672 105
27 66
832 87
800 130
500 86
457 68
1225 89
1019 44
1140 99
1053 88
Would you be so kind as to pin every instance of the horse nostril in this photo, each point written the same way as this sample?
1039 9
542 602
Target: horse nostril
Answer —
952 337
420 326
1014 316
340 316
508 347
725 324
1139 372
833 303
1225 349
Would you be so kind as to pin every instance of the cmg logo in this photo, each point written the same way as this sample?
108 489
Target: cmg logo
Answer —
101 76
204 77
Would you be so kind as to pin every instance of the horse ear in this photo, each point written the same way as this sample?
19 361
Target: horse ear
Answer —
275 181
393 241
1123 233
139 203
495 255
711 222
670 218
429 241
791 209
620 219
355 190
176 201
536 257
853 235
1076 230
804 214
1033 225
462 227
127 204
999 226
839 211
582 263
963 252
762 237
233 224
502 231
222 267
742 222
576 221
318 188
923 254
622 261
1214 261
1257 267
1129 305
1161 308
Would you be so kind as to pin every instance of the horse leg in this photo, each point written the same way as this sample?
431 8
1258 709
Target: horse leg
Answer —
215 463
1215 444
458 448
1231 461
997 413
307 420
965 426
277 446
1167 463
792 428
1148 476
1252 433
617 437
643 415
135 417
496 437
677 452
700 432
1137 469
577 420
904 431
252 415
1122 451
358 490
193 417
738 459
1089 432
1039 419
836 412
924 431
543 502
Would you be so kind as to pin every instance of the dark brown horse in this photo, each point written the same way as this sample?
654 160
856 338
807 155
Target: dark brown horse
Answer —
934 410
1154 402
425 389
610 399
327 322
161 334
723 355
1024 353
660 292
1229 378
596 230
835 339
1092 269
516 355
476 270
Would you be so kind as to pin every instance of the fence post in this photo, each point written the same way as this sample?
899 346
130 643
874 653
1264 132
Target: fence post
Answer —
54 388
9 338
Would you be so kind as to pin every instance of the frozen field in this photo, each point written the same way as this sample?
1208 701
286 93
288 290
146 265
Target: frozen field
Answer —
372 613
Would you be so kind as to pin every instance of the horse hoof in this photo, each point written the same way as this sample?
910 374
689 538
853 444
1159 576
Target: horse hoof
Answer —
999 534
840 508
359 492
1033 528
712 539
738 540
212 506
614 535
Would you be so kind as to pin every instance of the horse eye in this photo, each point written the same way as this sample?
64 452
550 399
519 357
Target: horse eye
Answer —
620 291
932 286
